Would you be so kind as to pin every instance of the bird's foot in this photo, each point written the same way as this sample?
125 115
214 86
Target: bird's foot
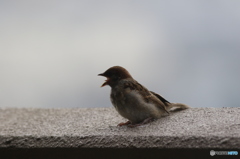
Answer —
146 121
127 123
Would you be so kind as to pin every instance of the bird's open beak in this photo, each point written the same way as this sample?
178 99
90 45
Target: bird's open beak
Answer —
106 81
101 74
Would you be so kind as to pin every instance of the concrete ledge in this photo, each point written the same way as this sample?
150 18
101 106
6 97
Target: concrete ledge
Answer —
96 127
195 128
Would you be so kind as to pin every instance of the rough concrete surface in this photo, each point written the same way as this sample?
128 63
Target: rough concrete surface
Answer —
96 128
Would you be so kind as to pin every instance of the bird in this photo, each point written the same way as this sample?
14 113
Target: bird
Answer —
133 101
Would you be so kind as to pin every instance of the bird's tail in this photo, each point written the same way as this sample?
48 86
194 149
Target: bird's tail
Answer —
178 106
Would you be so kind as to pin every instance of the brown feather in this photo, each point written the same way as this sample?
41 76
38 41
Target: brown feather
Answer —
147 95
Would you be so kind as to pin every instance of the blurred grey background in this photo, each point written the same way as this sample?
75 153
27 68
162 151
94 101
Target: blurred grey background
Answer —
52 51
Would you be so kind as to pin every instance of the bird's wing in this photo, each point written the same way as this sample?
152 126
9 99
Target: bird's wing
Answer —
160 98
146 94
134 85
163 100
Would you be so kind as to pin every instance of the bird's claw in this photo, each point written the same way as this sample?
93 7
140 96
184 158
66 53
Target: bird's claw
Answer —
126 123
129 124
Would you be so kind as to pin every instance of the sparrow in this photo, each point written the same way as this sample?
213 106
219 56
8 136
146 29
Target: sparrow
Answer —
133 101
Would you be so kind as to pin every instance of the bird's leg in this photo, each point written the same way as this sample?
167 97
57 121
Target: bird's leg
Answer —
146 121
127 123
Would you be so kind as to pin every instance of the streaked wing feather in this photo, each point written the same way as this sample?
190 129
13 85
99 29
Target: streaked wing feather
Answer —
160 97
147 95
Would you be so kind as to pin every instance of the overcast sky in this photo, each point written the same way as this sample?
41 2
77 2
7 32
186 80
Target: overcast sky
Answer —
51 51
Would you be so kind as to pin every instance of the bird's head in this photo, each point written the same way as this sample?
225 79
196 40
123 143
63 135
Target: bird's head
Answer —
114 75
